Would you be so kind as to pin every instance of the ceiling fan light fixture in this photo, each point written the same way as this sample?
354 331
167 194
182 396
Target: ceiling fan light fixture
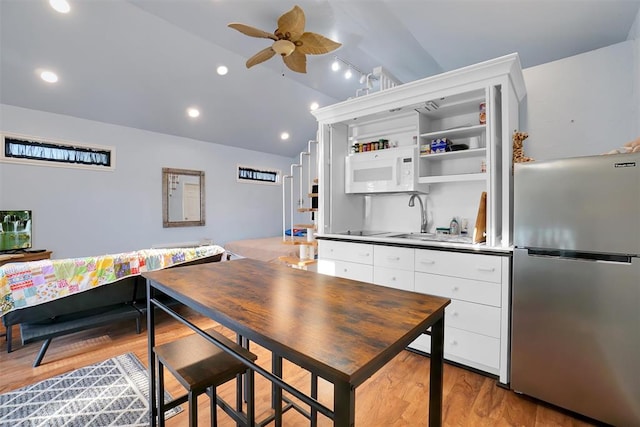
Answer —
283 47
291 42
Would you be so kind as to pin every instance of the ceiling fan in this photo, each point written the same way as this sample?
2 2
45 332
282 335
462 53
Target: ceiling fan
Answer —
290 41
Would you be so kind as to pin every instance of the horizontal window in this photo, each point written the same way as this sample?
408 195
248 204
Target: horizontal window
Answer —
18 149
258 175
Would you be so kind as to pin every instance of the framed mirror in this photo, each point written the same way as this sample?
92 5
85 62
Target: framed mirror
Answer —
182 198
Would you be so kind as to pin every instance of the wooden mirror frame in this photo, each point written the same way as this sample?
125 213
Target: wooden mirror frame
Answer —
166 222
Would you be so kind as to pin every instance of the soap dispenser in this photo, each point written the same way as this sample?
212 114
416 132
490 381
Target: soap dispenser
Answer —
454 228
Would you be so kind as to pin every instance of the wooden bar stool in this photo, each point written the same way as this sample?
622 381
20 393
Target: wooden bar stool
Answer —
201 366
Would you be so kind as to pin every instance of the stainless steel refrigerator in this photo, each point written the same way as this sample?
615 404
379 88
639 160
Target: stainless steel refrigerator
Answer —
576 285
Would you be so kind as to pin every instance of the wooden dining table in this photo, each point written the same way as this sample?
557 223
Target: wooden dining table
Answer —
338 329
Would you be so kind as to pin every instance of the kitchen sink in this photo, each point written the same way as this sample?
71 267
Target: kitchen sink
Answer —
431 237
415 236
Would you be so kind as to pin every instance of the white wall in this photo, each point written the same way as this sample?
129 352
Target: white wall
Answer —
84 212
581 105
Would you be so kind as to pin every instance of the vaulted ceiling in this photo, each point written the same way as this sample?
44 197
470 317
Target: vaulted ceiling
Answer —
142 63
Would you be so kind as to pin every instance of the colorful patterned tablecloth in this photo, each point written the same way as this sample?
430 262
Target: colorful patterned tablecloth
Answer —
25 284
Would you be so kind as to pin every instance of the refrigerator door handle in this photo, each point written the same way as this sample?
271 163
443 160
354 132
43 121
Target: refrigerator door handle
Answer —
581 256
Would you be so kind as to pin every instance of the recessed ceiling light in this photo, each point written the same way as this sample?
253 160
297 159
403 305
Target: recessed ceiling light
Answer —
284 136
193 112
335 65
348 74
313 106
61 6
222 70
49 76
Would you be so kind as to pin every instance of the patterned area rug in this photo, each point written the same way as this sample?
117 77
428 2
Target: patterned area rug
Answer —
110 393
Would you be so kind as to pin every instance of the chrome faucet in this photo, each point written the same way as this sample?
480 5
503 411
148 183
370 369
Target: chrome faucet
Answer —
423 212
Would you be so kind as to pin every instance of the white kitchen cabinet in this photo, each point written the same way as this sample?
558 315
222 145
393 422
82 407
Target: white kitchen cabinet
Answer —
344 259
486 268
476 321
394 257
472 317
348 270
393 267
467 348
459 288
360 253
393 278
446 105
456 118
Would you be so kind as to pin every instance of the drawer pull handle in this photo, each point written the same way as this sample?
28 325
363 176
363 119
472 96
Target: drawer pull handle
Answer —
363 254
428 261
393 279
453 342
393 258
454 314
456 289
488 269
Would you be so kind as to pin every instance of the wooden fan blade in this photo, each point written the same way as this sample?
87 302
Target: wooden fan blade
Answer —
291 24
297 61
261 56
315 44
251 31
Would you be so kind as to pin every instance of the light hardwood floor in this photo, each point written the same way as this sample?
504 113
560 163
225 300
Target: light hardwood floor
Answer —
395 396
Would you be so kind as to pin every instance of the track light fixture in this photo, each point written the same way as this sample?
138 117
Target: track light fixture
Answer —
348 73
337 64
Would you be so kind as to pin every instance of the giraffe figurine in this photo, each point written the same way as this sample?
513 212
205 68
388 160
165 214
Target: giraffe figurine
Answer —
518 148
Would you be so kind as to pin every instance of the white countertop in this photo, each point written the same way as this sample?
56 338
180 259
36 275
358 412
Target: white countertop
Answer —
388 238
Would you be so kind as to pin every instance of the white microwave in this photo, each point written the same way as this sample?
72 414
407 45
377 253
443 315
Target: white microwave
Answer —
383 171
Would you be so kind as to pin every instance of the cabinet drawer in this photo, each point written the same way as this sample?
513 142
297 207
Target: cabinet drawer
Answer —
486 268
346 251
479 351
392 257
393 278
478 318
354 271
460 289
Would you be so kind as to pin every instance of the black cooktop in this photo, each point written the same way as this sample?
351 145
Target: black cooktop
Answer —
362 233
